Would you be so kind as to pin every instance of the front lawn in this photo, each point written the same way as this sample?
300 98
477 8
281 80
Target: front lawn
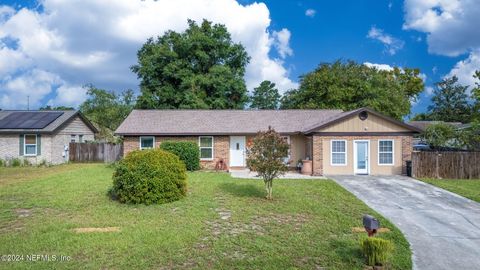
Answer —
464 187
223 223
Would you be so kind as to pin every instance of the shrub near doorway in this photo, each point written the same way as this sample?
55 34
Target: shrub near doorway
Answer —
149 177
188 152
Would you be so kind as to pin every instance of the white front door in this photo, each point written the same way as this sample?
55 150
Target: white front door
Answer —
361 157
237 151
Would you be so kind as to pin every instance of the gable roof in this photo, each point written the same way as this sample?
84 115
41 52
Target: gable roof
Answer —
230 122
51 127
345 115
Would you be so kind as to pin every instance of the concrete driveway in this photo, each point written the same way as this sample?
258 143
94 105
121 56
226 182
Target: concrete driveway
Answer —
443 228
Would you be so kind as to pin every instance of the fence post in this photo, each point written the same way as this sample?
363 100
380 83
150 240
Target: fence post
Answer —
437 173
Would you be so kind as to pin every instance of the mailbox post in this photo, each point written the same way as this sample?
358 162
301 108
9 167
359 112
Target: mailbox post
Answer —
371 225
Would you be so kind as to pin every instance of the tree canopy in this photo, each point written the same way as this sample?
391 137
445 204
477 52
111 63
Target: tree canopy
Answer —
58 108
200 68
349 85
265 96
107 109
450 102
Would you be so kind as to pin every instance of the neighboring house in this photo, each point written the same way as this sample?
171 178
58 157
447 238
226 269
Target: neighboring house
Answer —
42 136
355 142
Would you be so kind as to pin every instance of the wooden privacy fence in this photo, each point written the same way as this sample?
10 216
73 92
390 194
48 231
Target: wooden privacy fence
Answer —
454 165
95 152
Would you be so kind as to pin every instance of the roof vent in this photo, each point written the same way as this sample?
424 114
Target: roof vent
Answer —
363 115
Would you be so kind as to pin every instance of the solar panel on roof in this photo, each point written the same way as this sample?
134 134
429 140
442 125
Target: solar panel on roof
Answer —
28 120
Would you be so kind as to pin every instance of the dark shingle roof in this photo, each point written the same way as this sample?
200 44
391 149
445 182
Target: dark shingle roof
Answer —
205 122
50 128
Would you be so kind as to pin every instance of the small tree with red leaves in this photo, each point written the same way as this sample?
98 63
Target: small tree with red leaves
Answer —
267 157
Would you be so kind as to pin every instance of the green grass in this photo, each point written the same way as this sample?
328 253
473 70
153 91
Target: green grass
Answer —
466 188
307 225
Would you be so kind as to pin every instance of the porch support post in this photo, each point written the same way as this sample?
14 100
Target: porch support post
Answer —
317 155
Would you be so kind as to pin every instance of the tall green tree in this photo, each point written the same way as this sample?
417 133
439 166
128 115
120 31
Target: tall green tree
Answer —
349 85
265 96
450 102
476 97
199 68
107 109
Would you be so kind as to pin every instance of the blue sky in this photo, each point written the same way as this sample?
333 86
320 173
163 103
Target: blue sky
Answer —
50 49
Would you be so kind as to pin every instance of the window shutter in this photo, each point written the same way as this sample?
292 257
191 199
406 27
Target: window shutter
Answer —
21 142
39 145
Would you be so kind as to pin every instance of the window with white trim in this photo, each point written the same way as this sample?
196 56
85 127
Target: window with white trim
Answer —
147 142
339 152
205 144
73 138
80 138
385 152
30 146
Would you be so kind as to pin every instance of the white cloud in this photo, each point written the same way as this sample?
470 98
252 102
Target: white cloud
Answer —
68 96
429 90
96 42
451 25
310 12
452 30
391 44
29 88
281 42
379 66
465 69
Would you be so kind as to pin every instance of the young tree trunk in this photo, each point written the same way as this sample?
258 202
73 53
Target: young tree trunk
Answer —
268 188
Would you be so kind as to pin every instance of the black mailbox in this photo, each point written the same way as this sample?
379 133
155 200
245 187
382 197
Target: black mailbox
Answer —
370 223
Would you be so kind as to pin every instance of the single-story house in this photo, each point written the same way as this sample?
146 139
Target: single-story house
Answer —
42 136
361 141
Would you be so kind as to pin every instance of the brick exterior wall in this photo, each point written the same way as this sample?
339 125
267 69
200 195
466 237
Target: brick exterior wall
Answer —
221 147
317 155
407 149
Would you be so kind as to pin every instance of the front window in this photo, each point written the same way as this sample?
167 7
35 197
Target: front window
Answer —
385 152
339 152
206 147
147 142
72 138
30 145
80 138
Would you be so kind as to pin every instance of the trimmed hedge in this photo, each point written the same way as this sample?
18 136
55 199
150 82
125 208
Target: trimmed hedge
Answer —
188 152
148 177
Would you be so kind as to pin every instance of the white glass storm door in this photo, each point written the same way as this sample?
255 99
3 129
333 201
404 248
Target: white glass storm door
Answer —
237 151
361 157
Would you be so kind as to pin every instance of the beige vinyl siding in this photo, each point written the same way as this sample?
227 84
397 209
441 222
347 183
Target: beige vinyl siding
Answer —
375 169
371 124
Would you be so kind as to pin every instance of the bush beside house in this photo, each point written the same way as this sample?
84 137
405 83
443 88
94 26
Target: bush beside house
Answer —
149 177
188 152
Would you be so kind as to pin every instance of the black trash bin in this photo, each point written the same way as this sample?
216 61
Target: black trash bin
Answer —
409 168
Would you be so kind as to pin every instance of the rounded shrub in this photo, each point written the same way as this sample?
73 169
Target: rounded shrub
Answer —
148 177
188 152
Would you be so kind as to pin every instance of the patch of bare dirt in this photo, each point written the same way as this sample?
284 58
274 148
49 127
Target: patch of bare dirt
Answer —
91 230
22 212
362 230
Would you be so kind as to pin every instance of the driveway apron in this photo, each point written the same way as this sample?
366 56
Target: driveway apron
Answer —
443 228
